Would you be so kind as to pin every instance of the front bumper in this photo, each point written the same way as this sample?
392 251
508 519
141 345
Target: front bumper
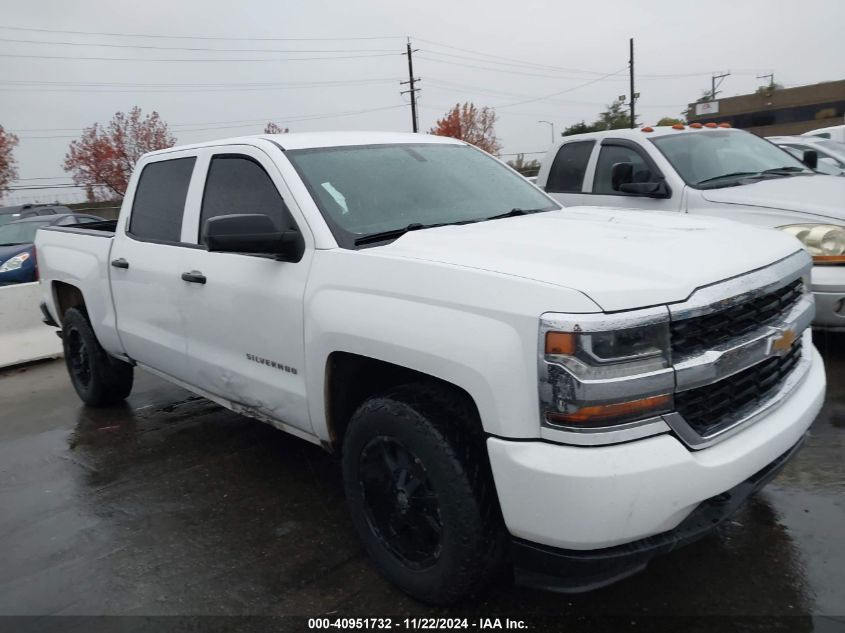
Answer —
592 498
574 571
829 293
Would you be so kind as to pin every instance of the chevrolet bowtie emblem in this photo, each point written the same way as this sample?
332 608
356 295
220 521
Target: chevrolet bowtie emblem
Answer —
782 342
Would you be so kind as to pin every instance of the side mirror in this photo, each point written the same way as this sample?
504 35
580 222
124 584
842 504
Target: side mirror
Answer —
620 174
810 158
651 189
252 233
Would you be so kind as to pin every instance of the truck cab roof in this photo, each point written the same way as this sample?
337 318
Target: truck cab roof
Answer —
640 133
311 140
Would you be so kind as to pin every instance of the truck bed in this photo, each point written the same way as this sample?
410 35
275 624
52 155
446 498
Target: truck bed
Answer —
78 256
106 228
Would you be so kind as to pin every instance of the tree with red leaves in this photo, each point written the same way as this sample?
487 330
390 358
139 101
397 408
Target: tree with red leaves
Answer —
103 158
275 128
8 164
470 124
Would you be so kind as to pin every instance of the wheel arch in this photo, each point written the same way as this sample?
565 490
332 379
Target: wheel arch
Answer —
65 297
350 379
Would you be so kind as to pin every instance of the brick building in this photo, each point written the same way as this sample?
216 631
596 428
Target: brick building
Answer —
779 111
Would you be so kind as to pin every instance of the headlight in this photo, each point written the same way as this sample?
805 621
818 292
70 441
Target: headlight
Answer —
618 373
14 263
825 242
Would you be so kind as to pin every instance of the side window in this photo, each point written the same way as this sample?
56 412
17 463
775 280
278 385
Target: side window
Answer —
159 202
238 184
569 167
608 157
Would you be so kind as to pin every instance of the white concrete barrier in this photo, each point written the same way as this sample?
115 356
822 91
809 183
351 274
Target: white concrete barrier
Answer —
23 337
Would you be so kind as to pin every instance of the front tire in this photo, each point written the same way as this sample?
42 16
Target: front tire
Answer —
421 495
98 379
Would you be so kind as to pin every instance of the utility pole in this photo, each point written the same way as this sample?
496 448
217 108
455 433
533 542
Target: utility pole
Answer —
633 94
713 84
411 89
771 78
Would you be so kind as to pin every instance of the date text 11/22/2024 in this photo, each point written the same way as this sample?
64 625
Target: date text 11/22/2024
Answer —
435 624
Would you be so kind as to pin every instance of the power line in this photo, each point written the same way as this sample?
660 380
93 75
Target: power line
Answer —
189 85
41 187
148 59
186 127
560 92
204 37
493 69
192 48
510 59
175 88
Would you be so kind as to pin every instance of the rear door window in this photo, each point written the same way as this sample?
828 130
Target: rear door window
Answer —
159 202
569 167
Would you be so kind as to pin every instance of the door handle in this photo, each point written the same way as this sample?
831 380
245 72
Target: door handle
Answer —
194 277
120 263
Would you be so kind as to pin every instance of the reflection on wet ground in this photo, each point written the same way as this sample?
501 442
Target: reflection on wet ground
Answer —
172 505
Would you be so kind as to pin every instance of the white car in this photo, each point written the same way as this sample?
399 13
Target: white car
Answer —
715 171
568 391
830 153
834 132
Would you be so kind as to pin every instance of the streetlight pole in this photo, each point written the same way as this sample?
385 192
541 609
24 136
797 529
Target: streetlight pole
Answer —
552 125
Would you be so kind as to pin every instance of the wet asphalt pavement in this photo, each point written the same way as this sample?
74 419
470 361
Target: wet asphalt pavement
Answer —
171 505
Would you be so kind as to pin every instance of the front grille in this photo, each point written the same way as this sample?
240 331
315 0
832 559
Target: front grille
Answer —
698 334
710 408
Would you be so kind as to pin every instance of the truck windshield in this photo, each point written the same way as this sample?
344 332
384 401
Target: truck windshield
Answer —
20 232
375 193
721 158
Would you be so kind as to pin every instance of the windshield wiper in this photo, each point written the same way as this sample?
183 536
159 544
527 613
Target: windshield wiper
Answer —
736 174
392 234
786 171
515 212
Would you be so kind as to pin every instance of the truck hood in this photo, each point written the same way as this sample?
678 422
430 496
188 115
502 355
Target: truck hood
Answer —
621 259
817 195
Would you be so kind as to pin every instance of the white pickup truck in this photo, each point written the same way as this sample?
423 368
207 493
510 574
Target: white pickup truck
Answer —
509 384
709 170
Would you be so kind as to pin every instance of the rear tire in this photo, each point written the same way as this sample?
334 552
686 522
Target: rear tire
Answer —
98 379
421 495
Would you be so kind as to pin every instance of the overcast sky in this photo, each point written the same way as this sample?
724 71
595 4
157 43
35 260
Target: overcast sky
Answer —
514 54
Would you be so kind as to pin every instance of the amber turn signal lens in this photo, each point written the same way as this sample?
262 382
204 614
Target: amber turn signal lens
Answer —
829 259
560 343
609 412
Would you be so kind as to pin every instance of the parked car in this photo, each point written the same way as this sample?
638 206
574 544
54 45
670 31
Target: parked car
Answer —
822 167
831 154
12 214
508 383
18 263
834 132
714 171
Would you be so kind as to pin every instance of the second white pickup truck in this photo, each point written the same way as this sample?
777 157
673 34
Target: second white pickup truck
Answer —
509 384
715 171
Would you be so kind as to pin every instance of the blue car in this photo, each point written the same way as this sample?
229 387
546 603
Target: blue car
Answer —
18 263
